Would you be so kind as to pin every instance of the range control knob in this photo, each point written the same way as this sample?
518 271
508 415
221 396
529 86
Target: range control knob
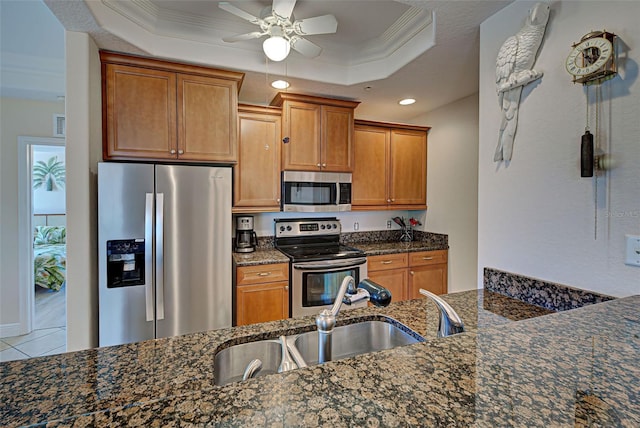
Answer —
322 226
281 228
289 228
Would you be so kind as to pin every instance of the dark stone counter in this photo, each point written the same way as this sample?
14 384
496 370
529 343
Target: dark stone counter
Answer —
517 365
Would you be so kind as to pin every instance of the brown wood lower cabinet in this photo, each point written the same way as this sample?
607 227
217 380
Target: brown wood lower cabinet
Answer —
405 273
390 271
428 270
262 293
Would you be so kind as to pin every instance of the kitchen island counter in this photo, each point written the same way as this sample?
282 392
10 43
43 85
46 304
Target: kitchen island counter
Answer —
517 364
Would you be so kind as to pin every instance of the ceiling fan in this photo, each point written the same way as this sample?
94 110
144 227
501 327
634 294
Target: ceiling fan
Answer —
283 30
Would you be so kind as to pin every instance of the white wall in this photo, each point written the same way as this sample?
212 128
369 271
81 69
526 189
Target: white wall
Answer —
28 118
84 145
536 215
367 220
452 186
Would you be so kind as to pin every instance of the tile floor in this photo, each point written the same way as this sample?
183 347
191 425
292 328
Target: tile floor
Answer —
50 334
46 341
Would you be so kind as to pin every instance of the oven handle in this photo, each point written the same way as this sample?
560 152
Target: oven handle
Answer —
330 264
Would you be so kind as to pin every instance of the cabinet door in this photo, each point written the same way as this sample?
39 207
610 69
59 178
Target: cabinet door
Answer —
336 148
257 174
430 277
301 124
262 303
408 168
395 280
370 178
207 116
139 117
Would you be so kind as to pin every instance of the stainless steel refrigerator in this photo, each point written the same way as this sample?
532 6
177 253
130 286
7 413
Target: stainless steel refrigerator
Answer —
164 236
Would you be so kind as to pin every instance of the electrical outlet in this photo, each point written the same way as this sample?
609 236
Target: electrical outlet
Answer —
356 226
388 224
633 250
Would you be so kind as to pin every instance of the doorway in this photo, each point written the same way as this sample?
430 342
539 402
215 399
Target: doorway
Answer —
42 250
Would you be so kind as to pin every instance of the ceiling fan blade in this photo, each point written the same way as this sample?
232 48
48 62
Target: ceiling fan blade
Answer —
305 47
238 12
283 8
324 24
240 37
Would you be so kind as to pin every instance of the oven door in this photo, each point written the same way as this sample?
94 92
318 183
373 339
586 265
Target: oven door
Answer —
316 284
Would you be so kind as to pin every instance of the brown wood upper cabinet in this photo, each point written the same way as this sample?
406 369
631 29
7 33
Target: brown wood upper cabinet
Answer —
318 133
257 174
390 166
160 110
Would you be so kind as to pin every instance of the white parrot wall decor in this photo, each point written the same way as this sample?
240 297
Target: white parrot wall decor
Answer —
514 70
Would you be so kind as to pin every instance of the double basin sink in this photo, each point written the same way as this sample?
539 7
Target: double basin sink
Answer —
347 341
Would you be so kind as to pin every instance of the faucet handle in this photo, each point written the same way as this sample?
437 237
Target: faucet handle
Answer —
379 295
450 322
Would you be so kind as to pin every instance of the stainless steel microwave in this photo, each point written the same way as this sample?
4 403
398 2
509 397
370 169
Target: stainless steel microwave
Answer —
308 191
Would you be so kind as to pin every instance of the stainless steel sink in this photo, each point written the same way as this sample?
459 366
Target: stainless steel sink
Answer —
230 363
355 339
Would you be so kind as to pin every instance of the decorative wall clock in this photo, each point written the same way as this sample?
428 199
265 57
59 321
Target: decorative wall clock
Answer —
592 60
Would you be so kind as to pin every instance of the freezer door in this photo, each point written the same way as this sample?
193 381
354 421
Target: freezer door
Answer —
125 252
193 250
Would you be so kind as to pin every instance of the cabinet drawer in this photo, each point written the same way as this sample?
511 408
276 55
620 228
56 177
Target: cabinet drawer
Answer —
387 261
260 274
427 257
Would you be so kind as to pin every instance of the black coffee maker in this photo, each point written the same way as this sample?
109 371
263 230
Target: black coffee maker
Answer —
246 238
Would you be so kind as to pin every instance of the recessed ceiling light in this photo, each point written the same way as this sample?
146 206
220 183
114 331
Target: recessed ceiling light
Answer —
280 84
406 101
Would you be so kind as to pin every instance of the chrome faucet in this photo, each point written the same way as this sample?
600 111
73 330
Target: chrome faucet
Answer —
450 323
326 320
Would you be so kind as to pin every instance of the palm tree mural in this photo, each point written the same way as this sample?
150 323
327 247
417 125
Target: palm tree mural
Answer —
50 174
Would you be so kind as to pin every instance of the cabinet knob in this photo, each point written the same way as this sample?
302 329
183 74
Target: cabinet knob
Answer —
386 262
318 165
173 152
393 200
286 288
278 200
264 273
324 165
411 272
427 258
388 200
180 152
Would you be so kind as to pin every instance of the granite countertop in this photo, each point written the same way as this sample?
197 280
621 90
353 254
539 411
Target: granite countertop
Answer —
261 256
516 364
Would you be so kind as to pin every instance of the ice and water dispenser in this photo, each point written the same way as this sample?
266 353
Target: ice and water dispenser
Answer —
125 263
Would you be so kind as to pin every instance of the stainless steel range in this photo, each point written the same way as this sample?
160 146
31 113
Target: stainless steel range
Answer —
318 262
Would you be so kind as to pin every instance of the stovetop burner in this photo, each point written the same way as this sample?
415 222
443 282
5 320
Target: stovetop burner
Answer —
320 252
312 239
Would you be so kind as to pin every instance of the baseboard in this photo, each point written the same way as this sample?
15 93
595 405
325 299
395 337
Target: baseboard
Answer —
9 330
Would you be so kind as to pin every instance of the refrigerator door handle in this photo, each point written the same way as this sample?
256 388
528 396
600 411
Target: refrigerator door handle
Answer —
160 256
148 255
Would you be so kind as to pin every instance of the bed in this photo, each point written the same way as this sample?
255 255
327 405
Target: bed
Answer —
50 257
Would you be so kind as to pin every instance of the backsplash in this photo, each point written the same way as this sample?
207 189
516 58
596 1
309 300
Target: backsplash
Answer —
354 238
556 297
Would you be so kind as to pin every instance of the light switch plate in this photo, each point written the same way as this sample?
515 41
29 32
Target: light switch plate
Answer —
633 250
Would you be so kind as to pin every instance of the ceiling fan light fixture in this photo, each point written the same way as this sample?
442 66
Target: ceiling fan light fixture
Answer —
276 48
280 84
